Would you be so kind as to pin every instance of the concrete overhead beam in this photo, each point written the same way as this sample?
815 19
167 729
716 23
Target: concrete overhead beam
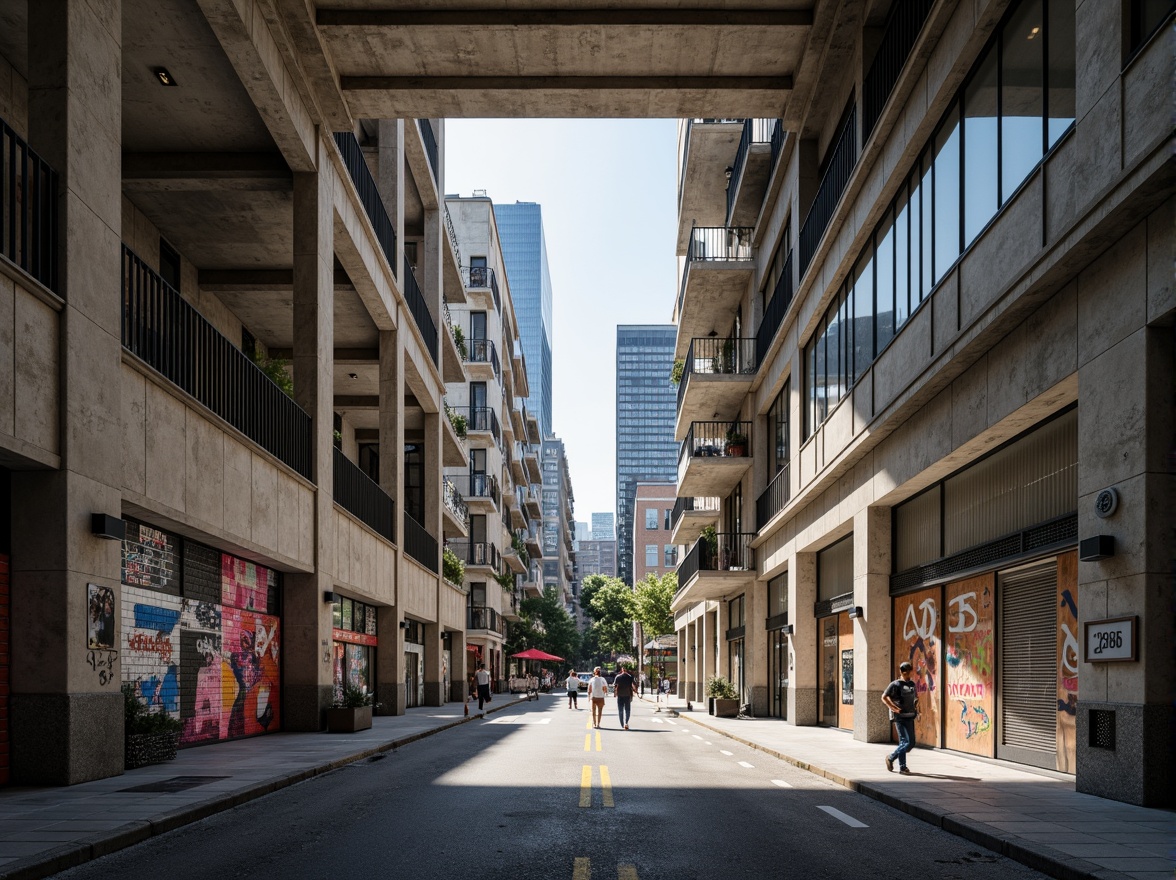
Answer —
258 280
384 18
199 172
568 83
354 402
343 356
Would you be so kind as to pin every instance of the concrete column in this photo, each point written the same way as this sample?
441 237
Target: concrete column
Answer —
390 661
390 182
62 693
755 648
434 687
689 662
430 262
802 644
683 652
872 670
708 661
307 618
457 669
432 476
1125 431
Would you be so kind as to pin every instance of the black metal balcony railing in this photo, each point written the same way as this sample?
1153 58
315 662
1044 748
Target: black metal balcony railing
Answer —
28 208
161 328
430 141
480 617
716 440
480 487
690 123
369 194
772 500
483 418
480 553
452 235
774 312
483 351
454 501
777 141
842 160
755 131
358 494
420 311
712 244
420 545
726 551
902 29
482 277
716 356
692 504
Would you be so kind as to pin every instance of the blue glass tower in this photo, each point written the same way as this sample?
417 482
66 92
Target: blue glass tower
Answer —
647 405
520 230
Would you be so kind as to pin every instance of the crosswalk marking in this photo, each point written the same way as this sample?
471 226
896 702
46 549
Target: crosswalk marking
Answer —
586 786
781 783
582 869
745 764
848 820
606 786
725 752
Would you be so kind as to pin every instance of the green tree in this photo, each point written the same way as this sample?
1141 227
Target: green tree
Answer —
651 603
545 625
610 604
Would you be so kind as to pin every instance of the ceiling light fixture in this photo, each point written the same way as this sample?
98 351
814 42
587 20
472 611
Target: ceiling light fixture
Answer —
353 375
164 76
1033 33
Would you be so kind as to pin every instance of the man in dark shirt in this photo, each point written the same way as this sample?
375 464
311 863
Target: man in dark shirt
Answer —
902 699
623 689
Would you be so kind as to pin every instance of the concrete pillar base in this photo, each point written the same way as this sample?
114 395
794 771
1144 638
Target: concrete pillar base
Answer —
871 719
802 706
433 695
61 739
304 705
1140 767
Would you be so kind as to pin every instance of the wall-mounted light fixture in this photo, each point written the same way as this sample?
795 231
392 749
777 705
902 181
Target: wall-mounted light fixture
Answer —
103 525
164 76
728 171
856 611
1095 548
786 629
404 624
330 598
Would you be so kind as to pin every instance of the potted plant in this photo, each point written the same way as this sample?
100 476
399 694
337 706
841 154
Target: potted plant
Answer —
710 548
149 737
351 713
459 341
676 371
723 360
724 699
452 568
736 443
459 422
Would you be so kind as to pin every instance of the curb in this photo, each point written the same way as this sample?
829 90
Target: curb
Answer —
1058 866
104 843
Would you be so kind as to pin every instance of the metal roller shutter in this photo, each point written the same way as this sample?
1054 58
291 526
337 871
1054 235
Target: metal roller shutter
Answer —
1028 676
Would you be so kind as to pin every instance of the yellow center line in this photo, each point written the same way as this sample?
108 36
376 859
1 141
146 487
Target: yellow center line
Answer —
586 786
598 740
627 872
588 724
605 786
582 869
587 742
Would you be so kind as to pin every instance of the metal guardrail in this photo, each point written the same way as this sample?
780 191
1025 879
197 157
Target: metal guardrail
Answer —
902 29
724 551
453 500
483 418
772 500
712 244
477 486
717 356
692 503
482 277
483 351
420 311
369 194
28 208
777 141
755 131
774 314
716 440
842 161
163 329
480 617
420 545
359 494
452 235
480 553
430 141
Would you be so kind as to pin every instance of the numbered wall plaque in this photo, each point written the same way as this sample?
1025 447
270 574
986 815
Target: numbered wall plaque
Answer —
1110 640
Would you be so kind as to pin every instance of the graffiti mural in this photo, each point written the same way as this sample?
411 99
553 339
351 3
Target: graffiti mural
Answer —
250 673
200 671
151 648
969 659
245 584
917 639
1067 660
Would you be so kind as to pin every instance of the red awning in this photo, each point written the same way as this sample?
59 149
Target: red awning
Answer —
535 654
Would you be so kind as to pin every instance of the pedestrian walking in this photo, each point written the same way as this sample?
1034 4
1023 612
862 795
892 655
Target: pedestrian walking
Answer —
623 686
597 689
902 699
482 679
573 684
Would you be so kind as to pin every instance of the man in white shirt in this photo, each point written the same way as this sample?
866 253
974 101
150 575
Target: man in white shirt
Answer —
573 684
482 679
597 690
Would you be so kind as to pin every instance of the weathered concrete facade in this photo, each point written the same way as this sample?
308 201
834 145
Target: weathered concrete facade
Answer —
1060 302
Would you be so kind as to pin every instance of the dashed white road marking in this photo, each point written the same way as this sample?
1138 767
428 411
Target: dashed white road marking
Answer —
745 764
519 719
657 721
696 736
725 752
848 820
781 783
675 723
709 743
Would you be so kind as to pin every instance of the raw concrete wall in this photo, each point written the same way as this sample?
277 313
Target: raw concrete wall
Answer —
30 377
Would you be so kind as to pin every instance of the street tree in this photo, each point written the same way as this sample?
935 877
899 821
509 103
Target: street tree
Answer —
651 603
610 605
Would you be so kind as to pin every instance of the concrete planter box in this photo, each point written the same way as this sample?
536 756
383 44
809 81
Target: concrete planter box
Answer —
726 708
349 720
142 749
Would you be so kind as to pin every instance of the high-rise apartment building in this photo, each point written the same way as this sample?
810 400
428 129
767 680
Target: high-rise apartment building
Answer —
646 449
603 527
520 227
558 521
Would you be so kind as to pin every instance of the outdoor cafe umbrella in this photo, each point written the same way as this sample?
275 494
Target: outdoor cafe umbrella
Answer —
535 654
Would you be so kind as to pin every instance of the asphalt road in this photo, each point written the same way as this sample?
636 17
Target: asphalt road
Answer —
533 792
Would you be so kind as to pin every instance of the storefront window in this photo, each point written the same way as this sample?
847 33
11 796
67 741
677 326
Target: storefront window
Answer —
355 643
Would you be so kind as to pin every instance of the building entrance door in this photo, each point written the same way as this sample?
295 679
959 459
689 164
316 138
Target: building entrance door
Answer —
835 671
778 673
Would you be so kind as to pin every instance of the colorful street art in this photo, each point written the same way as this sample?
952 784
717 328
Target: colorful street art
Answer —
969 658
917 639
249 674
150 647
1067 660
245 584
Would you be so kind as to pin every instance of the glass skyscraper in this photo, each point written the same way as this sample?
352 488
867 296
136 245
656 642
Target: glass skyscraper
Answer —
520 230
646 409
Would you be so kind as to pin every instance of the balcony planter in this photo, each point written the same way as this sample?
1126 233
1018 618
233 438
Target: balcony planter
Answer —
343 719
736 444
726 708
141 749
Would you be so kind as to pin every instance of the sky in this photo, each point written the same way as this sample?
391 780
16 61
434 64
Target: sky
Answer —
609 194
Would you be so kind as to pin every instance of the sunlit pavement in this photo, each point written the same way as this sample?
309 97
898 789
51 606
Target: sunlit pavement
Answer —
1035 817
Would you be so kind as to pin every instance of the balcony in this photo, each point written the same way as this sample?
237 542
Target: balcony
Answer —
751 171
716 376
479 491
531 460
452 282
773 499
515 561
718 268
362 497
452 362
483 421
511 611
713 458
476 554
534 508
519 367
162 329
369 194
482 281
902 29
430 141
482 619
715 568
518 470
28 209
533 432
419 310
455 513
839 166
533 541
454 452
482 360
420 545
518 415
707 148
691 515
774 313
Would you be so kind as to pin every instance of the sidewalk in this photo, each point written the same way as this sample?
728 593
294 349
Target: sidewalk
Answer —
46 830
1033 817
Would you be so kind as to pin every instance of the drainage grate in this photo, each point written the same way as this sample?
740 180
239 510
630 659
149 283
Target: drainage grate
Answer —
175 784
1102 729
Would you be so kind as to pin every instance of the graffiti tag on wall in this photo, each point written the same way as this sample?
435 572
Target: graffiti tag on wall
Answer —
1067 661
916 639
969 657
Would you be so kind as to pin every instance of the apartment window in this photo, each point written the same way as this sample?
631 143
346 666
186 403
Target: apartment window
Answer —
778 595
1146 18
735 613
669 556
651 555
778 425
651 519
1016 103
669 515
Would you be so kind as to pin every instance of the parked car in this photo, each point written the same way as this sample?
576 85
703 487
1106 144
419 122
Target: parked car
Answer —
584 677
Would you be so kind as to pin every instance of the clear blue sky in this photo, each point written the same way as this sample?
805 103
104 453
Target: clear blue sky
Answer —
609 194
